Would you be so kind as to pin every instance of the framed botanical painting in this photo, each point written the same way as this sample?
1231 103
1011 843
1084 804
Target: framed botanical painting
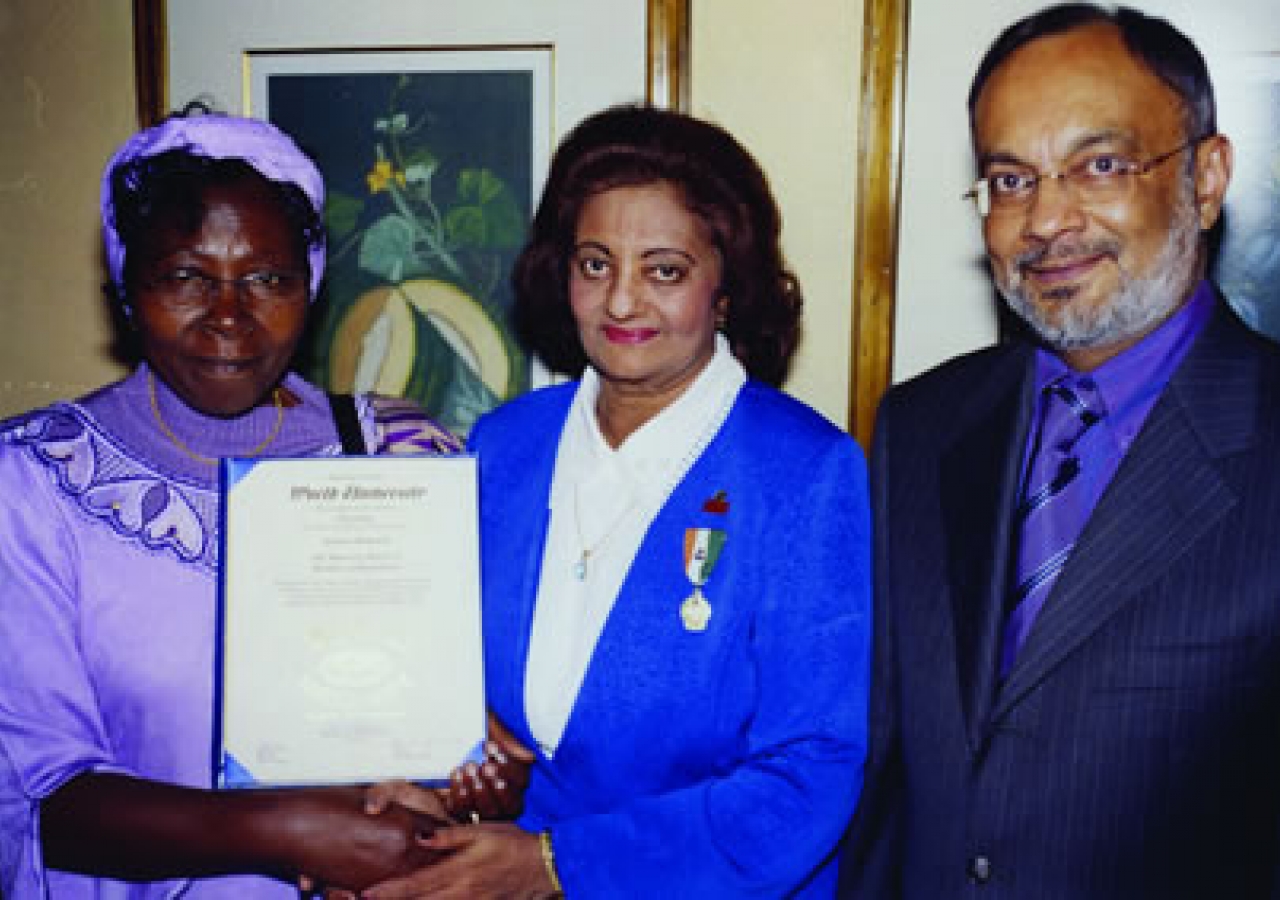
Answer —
433 123
429 159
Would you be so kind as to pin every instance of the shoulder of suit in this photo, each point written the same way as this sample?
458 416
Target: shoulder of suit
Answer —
781 422
950 397
1262 344
947 380
759 399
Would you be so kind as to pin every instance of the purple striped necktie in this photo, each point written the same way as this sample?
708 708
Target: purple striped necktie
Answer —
1053 507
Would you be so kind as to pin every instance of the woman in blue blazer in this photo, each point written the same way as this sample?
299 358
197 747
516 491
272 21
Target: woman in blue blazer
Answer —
675 553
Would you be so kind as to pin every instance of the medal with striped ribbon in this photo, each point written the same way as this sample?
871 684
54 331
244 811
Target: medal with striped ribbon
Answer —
702 548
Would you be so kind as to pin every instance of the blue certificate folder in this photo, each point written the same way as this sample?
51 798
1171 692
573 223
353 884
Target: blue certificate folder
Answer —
349 645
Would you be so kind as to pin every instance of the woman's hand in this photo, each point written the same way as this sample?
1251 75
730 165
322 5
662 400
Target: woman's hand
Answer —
477 861
495 788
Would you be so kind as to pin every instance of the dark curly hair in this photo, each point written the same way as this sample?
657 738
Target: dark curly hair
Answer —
170 188
631 145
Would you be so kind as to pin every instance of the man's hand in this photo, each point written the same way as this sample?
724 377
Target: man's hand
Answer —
478 861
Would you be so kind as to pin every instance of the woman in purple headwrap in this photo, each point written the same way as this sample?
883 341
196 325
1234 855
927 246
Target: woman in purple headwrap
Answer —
108 546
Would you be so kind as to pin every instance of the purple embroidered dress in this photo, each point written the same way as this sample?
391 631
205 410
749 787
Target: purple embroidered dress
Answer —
108 554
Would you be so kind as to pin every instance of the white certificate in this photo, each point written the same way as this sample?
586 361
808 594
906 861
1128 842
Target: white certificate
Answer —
349 629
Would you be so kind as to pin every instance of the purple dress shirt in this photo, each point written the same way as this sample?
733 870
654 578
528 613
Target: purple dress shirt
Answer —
1128 386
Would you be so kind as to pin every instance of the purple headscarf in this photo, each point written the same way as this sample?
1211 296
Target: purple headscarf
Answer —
270 151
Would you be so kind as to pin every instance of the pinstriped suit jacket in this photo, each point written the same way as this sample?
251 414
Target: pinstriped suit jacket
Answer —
1134 749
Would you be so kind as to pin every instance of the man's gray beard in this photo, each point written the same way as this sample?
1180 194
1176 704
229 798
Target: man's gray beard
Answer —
1140 303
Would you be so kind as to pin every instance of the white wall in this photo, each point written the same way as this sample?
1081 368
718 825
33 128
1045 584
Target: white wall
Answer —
784 79
66 86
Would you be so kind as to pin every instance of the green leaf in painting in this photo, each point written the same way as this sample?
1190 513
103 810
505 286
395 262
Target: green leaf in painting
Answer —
487 216
341 213
390 250
506 224
478 186
420 156
419 166
465 226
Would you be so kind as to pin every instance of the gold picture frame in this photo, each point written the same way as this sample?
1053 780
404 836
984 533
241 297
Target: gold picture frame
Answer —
667 56
884 43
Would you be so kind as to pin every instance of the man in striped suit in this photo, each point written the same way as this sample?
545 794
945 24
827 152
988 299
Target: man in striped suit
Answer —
1077 671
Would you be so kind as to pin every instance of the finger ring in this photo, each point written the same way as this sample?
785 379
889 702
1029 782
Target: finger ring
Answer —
475 817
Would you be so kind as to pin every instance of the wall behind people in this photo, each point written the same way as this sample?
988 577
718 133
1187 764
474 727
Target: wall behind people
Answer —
785 83
945 304
66 92
783 78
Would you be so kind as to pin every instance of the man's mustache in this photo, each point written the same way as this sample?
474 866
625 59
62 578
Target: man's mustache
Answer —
1066 250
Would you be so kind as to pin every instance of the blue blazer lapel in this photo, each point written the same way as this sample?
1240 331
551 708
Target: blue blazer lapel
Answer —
1168 491
979 483
516 513
646 613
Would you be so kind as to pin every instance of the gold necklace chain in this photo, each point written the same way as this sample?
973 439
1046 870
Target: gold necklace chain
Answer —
710 429
209 460
584 558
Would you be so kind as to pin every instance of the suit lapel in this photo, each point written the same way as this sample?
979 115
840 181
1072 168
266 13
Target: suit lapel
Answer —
520 521
979 482
1167 492
643 621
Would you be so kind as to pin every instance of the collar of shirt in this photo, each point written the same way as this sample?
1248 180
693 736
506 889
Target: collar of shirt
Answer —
657 455
1130 383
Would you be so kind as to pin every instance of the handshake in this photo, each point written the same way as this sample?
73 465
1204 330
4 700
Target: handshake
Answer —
405 832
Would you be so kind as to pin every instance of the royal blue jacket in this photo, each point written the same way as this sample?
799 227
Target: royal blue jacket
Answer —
724 763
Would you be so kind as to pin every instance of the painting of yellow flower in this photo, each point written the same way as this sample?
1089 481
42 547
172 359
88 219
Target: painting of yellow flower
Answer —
430 189
382 175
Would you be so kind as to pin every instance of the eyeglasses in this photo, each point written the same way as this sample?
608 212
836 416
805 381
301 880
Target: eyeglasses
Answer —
1096 178
192 287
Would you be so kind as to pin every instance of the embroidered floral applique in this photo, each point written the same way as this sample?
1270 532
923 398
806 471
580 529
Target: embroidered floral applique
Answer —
135 501
158 511
152 511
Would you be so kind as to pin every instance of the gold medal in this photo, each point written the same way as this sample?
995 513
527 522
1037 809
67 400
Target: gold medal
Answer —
702 548
695 612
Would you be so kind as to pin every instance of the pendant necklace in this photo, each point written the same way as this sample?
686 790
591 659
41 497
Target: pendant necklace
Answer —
657 499
580 567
